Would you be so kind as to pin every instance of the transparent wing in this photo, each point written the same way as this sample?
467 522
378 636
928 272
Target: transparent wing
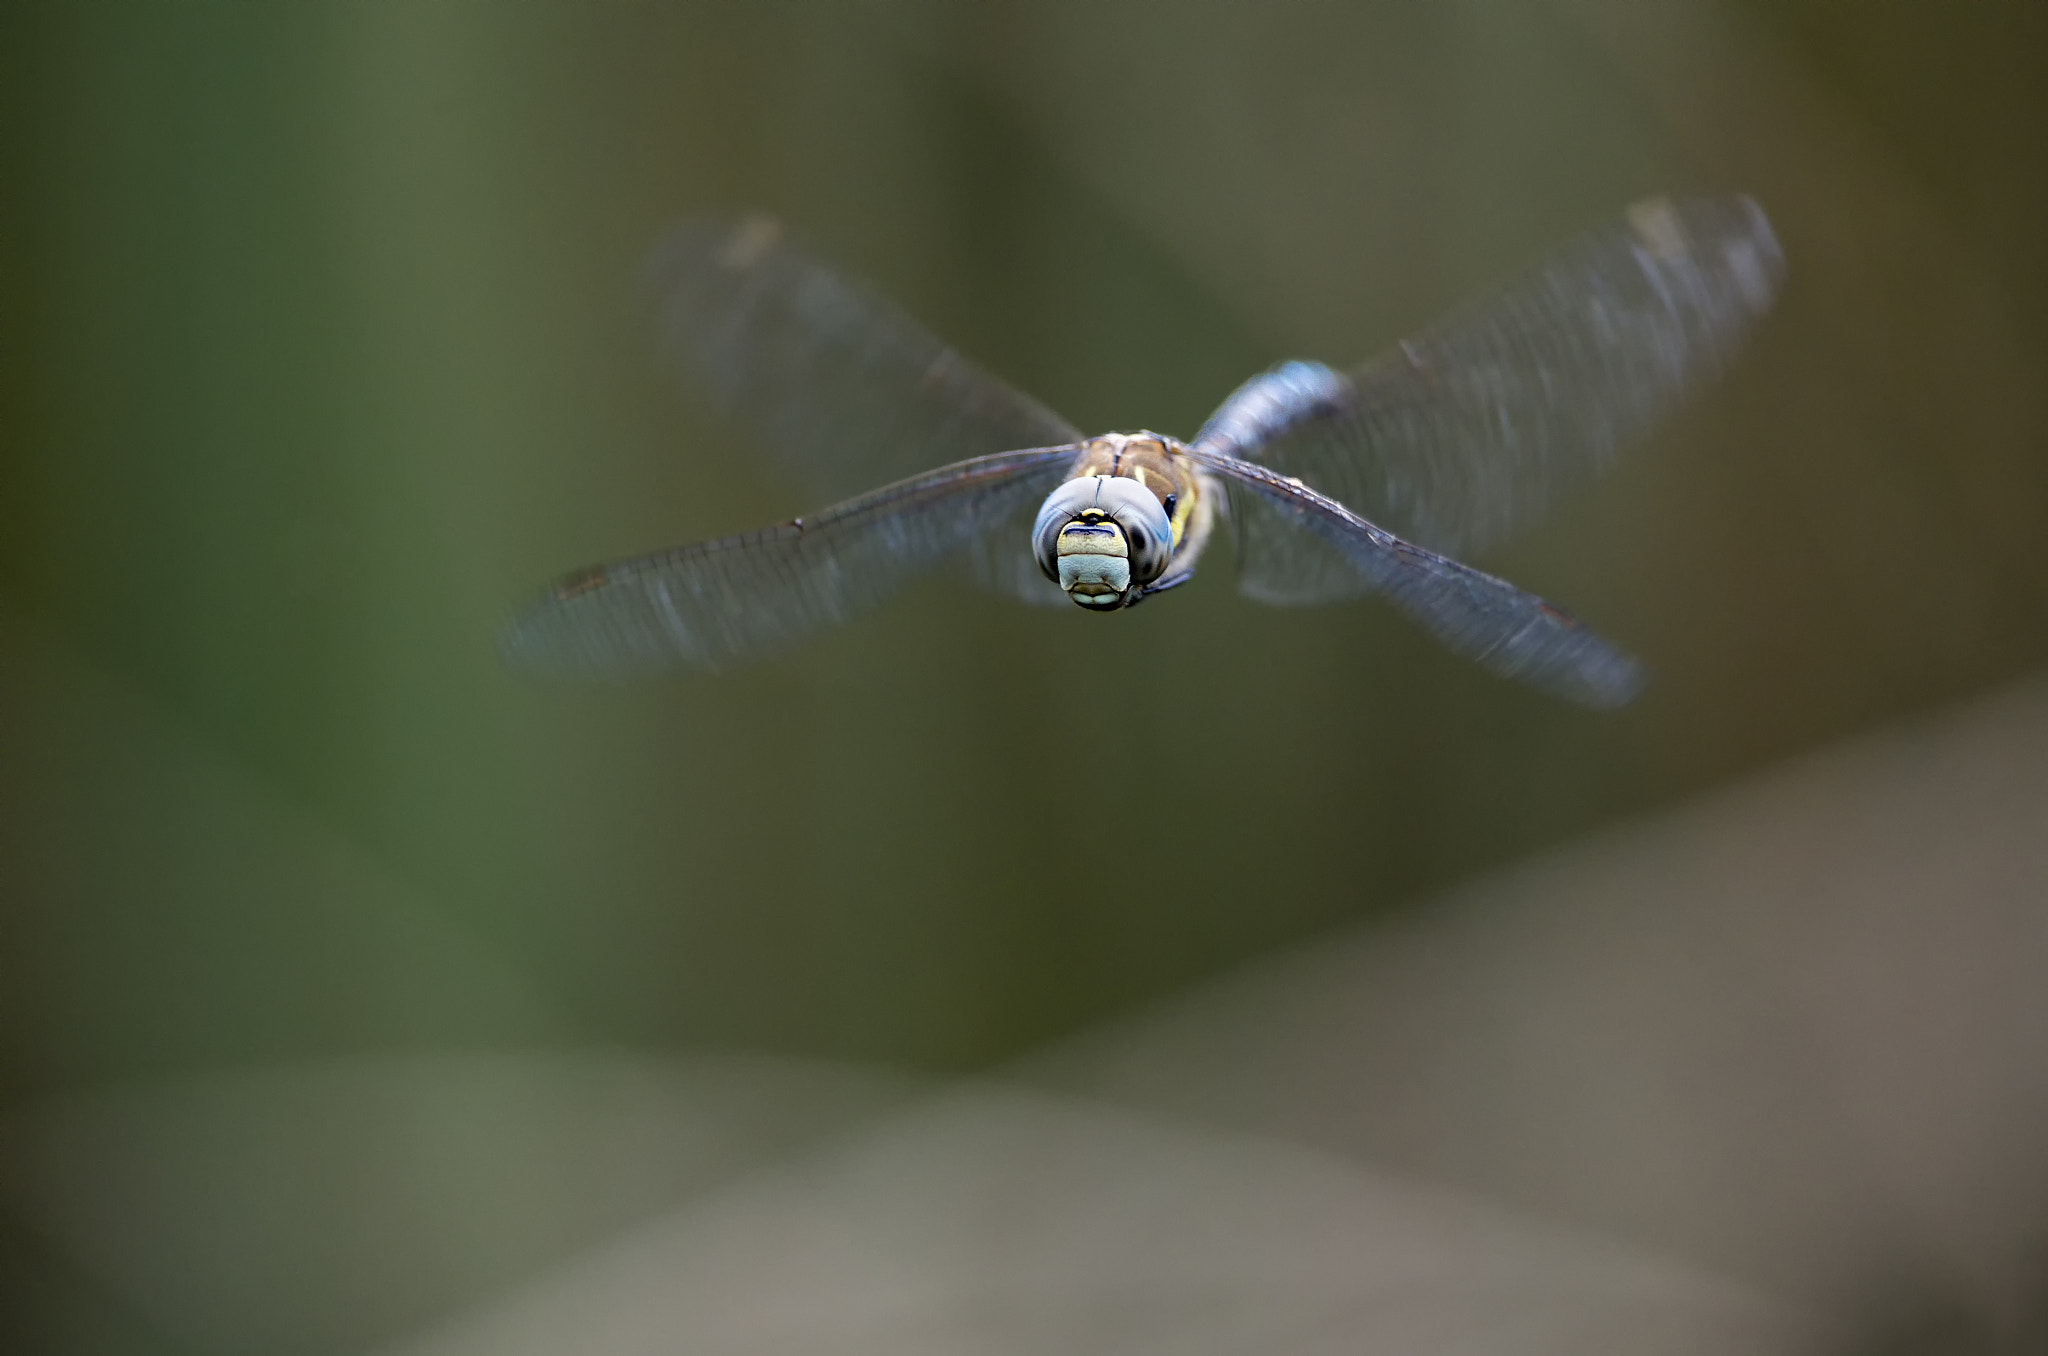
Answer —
1513 633
843 388
1281 563
1000 559
1477 427
741 598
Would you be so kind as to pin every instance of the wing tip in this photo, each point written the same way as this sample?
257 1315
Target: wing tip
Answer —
1617 683
1732 229
523 648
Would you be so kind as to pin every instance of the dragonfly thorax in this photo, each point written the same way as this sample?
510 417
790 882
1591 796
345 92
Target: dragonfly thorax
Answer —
1102 539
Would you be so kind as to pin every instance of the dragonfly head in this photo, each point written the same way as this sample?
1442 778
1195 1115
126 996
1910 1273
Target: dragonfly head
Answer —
1102 539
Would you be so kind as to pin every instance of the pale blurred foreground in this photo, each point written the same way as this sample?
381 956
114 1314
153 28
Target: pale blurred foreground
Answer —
1767 1074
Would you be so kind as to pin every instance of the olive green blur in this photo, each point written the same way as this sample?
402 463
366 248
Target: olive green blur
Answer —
322 352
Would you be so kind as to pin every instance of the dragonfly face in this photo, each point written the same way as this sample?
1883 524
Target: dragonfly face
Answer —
1093 551
1333 483
1108 536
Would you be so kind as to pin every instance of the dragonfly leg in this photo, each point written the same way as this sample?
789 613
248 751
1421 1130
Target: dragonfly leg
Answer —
1172 581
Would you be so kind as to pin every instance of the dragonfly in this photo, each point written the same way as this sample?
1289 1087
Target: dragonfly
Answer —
1330 483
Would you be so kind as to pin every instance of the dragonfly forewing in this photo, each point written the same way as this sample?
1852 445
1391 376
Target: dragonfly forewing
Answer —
746 597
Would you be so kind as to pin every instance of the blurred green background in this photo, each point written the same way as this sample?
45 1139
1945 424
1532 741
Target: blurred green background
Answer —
321 352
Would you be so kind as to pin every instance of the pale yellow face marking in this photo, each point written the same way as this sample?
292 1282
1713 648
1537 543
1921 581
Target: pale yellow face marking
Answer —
1093 534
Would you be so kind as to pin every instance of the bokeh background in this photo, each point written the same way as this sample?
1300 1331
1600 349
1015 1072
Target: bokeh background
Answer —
322 351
